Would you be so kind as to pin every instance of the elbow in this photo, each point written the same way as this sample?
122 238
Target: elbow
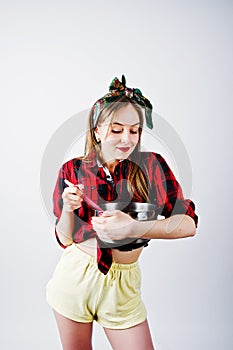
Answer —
192 232
191 227
185 233
188 227
63 241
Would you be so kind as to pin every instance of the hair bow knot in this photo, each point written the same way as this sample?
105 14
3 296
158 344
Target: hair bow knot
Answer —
118 89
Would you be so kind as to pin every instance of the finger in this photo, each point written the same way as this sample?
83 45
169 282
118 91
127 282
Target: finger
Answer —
98 219
74 197
99 223
72 189
67 182
99 230
71 198
74 204
110 213
98 227
79 188
75 191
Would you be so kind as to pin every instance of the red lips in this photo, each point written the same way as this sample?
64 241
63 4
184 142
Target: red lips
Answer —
124 149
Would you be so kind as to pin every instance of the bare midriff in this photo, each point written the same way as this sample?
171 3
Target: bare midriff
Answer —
90 247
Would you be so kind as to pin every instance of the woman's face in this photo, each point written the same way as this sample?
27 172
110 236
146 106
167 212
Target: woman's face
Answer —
119 139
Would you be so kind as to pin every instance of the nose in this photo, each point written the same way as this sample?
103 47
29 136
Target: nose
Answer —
125 136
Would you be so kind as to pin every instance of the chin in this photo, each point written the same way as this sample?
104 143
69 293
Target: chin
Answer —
123 157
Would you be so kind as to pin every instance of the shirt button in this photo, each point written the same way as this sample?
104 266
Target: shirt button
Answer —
93 187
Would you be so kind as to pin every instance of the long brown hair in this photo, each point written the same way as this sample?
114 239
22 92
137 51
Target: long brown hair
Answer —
137 180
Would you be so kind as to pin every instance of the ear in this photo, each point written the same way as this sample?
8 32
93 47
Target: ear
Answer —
97 134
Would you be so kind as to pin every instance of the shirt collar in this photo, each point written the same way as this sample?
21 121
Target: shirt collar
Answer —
95 161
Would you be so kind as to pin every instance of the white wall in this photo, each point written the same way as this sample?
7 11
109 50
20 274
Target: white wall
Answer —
58 58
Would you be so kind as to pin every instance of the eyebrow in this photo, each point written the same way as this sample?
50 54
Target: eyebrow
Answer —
125 124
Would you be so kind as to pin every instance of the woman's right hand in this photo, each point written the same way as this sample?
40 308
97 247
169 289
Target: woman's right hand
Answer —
72 197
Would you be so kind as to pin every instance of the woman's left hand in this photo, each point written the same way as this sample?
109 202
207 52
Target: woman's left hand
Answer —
113 225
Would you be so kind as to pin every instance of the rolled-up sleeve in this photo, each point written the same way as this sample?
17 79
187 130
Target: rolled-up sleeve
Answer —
57 193
67 172
169 193
57 198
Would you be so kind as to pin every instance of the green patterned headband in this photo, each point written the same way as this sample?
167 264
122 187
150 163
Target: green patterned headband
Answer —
118 89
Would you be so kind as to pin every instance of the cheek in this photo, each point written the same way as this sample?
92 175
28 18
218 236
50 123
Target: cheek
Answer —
109 143
136 139
113 138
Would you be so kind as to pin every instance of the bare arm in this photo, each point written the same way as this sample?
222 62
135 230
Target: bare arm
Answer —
72 199
118 225
176 226
65 226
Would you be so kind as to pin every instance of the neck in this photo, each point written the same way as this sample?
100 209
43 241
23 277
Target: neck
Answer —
109 163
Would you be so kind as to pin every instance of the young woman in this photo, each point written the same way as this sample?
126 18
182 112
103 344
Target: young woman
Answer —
93 281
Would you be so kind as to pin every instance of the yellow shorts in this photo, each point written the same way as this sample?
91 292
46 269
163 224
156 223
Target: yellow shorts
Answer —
80 292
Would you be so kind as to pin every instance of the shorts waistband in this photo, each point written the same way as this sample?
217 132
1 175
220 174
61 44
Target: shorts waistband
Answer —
119 266
115 266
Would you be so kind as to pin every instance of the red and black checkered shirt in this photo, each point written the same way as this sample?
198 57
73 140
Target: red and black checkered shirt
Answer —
164 192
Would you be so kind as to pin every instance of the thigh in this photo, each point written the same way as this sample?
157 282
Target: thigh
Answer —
134 338
74 335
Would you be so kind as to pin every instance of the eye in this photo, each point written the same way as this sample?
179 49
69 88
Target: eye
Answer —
114 131
134 131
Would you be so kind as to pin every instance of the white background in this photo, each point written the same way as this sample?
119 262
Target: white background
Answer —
58 57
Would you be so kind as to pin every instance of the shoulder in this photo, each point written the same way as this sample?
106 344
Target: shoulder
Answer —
71 164
152 157
155 162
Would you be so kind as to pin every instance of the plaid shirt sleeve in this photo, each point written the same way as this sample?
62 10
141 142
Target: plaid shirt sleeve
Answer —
169 193
65 172
82 228
57 197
